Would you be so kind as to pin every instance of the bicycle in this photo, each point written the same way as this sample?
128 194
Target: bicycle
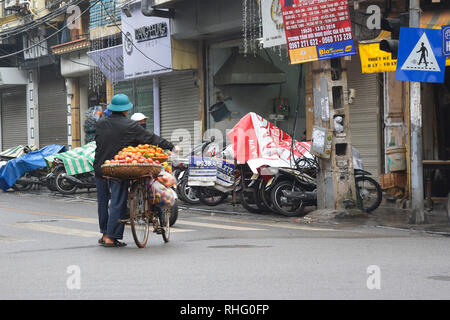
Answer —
144 214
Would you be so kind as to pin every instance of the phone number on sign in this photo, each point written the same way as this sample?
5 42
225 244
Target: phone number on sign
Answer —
323 40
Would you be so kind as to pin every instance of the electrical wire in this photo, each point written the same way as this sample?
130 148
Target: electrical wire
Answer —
50 36
36 23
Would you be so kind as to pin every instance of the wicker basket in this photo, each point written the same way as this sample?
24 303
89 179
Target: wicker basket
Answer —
393 180
131 171
161 160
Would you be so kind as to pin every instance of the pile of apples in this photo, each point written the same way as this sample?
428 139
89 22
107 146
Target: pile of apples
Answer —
143 153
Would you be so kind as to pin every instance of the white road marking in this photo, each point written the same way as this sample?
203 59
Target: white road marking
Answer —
267 224
216 226
12 239
58 230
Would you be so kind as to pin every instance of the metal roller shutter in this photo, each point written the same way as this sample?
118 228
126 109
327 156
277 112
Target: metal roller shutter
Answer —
144 100
52 107
179 103
140 93
364 116
14 117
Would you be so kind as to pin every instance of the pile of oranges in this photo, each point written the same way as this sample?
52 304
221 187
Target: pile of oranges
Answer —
143 153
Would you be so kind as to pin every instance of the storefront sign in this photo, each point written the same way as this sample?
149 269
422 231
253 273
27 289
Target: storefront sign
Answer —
374 60
147 46
110 62
272 20
317 29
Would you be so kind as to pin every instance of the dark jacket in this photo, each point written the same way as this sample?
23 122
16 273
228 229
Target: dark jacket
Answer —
117 132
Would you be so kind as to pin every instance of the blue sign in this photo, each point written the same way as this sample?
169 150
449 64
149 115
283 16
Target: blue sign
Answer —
336 49
420 55
446 40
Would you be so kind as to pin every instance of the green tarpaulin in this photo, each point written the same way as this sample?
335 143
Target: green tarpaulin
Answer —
76 161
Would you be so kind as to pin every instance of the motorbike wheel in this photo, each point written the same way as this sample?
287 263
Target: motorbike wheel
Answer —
211 197
63 185
51 181
187 193
281 204
247 197
264 198
18 186
368 193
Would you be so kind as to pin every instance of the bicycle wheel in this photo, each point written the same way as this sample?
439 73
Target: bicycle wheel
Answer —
368 193
139 214
164 222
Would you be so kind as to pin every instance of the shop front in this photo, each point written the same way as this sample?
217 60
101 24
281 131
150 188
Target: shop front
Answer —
13 108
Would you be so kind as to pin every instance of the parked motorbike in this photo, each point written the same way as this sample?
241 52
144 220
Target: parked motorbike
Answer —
294 189
181 173
39 177
67 184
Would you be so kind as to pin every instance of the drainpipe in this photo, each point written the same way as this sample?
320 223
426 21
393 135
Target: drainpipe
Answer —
148 11
417 193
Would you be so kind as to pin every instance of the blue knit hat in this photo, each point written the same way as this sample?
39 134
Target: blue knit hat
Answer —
120 102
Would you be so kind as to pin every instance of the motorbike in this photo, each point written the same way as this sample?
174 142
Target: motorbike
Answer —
67 184
208 195
294 189
39 177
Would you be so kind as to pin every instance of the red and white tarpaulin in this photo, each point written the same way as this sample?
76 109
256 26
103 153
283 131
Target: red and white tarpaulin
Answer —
260 143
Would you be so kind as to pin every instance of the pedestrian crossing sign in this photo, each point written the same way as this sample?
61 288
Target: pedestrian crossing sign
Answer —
420 56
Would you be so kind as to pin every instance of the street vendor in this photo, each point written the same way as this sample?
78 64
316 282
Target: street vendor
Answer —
112 134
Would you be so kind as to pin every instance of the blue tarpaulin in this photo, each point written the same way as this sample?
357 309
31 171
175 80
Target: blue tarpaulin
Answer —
16 168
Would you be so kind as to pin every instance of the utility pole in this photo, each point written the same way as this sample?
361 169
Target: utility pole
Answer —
335 180
417 193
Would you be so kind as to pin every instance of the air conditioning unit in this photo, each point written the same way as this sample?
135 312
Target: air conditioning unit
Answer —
11 4
24 2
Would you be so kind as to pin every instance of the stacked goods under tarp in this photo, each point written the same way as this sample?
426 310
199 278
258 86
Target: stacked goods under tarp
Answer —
76 161
16 152
258 143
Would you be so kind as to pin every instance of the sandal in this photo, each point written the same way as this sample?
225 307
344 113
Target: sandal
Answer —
101 241
116 243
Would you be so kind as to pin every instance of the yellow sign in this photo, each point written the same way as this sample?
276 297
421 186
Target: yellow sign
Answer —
303 55
374 60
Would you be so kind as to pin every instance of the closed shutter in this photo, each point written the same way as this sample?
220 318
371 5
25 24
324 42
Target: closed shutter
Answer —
144 100
52 107
140 93
364 116
179 103
14 117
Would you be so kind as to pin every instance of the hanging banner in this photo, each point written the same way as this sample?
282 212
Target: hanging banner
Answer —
272 21
110 62
374 60
317 29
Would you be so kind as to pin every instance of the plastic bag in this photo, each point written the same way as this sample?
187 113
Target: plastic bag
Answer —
162 196
167 179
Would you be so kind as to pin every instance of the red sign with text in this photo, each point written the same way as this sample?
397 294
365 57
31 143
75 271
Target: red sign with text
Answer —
317 29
